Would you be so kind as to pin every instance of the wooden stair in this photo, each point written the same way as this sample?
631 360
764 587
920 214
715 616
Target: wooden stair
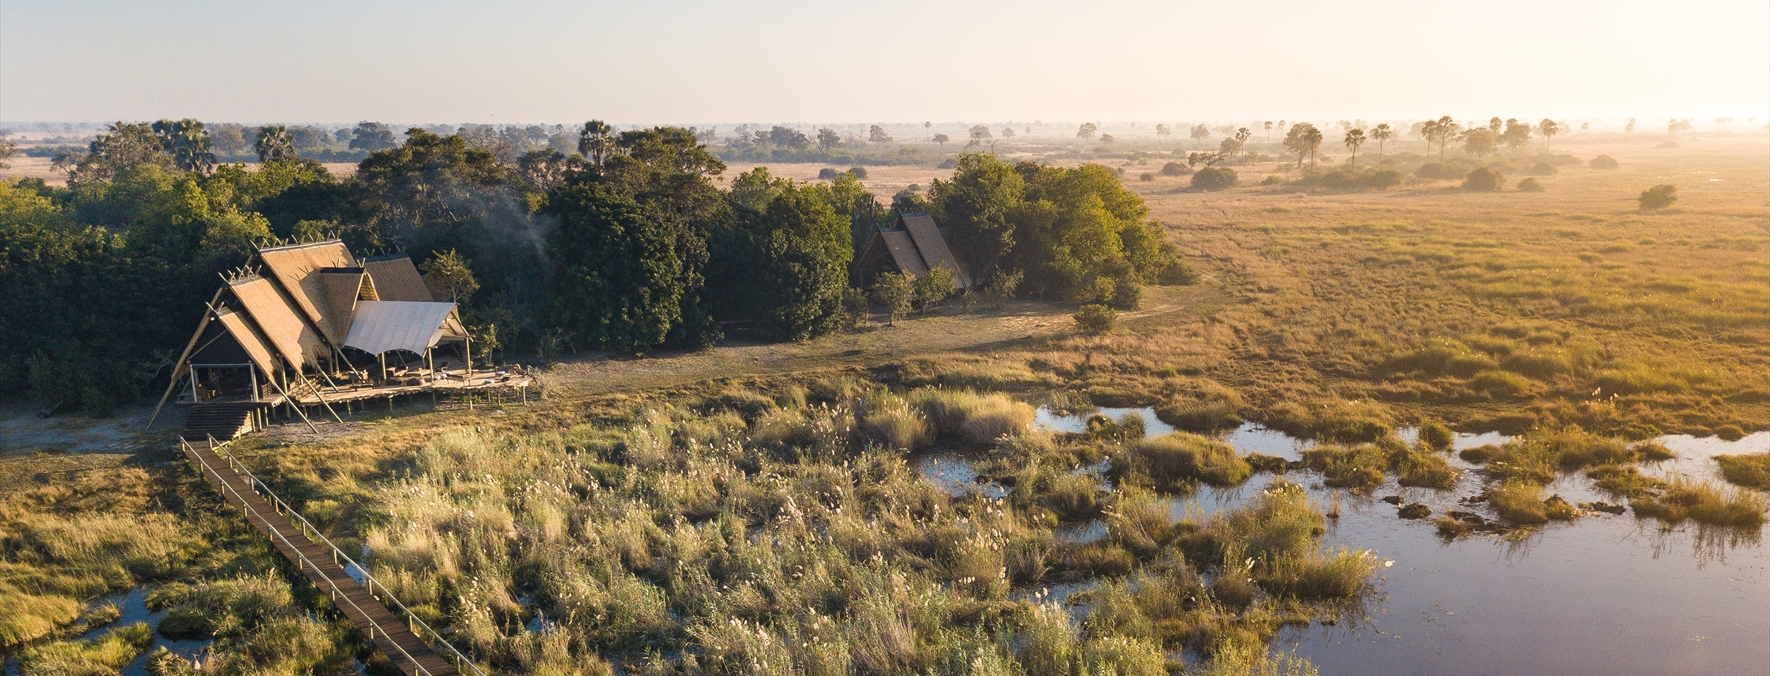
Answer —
225 421
321 563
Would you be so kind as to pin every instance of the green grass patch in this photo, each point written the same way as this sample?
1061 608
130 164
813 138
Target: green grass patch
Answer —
1176 460
1705 503
1751 470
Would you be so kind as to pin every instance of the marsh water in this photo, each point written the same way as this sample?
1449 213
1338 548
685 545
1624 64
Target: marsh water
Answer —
1603 594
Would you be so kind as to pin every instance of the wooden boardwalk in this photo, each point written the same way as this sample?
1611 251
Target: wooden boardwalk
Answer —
321 564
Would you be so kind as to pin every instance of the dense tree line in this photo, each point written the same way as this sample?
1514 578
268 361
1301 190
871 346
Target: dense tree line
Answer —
626 244
1066 234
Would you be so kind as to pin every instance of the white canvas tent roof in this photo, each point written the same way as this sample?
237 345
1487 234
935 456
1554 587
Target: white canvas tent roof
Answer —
381 326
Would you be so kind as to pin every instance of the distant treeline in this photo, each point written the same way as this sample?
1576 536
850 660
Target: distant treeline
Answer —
624 243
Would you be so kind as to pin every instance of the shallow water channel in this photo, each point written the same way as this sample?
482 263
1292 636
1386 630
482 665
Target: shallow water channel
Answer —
1603 594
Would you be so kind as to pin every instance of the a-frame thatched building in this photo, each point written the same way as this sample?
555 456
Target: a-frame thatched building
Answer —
912 246
284 331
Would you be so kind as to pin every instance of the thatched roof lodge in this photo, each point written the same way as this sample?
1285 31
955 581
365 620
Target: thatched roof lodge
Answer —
912 246
308 324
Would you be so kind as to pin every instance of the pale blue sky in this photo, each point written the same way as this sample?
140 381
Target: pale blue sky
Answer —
677 61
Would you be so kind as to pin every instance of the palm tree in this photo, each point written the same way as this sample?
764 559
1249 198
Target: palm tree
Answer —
1269 131
187 143
595 141
1381 133
1241 137
1548 128
1354 139
274 144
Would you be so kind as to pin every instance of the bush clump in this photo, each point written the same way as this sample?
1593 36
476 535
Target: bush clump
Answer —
1529 185
1176 169
1215 178
1604 162
1096 319
1541 169
1484 179
1176 460
1658 197
1434 171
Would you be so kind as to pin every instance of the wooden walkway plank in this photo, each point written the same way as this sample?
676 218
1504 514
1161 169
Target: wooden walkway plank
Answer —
391 634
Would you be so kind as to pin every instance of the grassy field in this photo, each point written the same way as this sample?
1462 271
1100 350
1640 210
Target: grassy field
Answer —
753 508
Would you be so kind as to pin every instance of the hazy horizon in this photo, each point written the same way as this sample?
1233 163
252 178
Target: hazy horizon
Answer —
337 63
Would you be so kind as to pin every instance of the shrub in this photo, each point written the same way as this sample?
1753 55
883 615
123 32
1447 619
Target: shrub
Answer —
1215 178
1751 470
1541 169
1146 177
1658 197
1438 172
1175 169
1604 162
1272 180
827 174
1484 179
1096 319
1529 185
858 172
1175 459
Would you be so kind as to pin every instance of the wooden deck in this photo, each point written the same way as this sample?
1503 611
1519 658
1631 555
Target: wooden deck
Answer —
416 381
320 563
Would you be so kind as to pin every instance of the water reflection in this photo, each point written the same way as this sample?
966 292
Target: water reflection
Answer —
1598 595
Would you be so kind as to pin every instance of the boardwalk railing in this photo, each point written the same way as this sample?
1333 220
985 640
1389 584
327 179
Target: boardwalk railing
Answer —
414 624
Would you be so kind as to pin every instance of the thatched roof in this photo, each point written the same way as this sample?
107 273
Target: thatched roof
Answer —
343 287
932 245
914 248
235 323
292 337
397 279
293 266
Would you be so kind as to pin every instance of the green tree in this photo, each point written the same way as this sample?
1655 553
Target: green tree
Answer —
894 291
617 282
977 203
1087 130
1303 139
1381 134
942 139
828 139
450 276
1478 142
1241 138
876 134
8 148
372 136
1517 134
784 261
274 144
122 147
1354 139
935 287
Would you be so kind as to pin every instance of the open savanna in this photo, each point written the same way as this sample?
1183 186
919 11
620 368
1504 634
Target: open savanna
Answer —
753 508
